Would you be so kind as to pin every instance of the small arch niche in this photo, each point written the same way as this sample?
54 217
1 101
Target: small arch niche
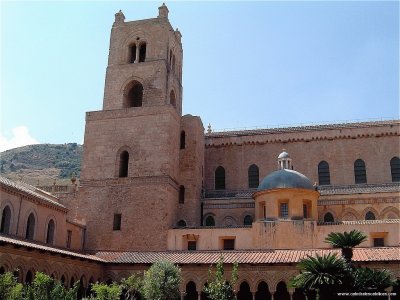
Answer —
142 52
123 164
172 98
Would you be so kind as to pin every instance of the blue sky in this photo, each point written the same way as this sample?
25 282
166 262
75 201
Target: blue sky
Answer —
246 64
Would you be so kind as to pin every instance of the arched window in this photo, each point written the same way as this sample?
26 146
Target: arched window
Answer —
123 164
181 194
142 52
172 99
181 223
395 169
50 232
220 178
71 282
253 175
210 221
263 291
191 292
360 174
244 292
248 220
328 218
6 220
29 277
183 140
30 227
369 216
135 95
133 53
324 176
281 291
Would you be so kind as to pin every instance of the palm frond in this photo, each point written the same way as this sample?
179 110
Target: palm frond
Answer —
346 239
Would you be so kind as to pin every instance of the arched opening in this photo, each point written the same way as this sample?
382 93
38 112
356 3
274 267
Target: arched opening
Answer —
369 216
191 293
89 288
132 53
30 227
328 218
300 294
324 177
71 282
220 178
123 164
5 220
248 220
172 99
63 280
395 169
360 174
183 140
135 96
50 232
2 270
109 282
253 176
281 291
142 52
181 194
29 277
244 292
210 221
181 223
263 291
82 288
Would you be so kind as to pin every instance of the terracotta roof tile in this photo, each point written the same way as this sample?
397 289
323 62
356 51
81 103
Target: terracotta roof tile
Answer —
35 245
32 191
250 257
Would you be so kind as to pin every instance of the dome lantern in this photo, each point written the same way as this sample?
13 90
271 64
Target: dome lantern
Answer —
284 161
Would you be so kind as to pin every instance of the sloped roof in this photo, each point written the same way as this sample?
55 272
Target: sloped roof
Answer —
246 257
38 246
32 191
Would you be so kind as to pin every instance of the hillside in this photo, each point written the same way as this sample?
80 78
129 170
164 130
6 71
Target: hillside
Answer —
42 163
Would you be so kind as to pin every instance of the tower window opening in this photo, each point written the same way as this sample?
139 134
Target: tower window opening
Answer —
172 99
6 220
328 218
181 223
360 174
192 245
220 178
173 63
183 140
30 227
229 244
379 242
324 177
210 221
123 164
133 53
69 238
305 211
248 220
395 169
117 222
142 52
50 232
135 96
181 194
253 176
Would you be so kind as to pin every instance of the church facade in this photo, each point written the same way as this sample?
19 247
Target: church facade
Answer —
155 185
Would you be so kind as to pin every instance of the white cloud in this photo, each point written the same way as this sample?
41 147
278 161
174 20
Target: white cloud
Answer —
19 137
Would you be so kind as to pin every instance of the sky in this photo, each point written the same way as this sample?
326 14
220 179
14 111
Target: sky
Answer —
246 64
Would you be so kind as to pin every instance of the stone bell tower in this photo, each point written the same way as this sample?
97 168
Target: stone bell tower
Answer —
130 171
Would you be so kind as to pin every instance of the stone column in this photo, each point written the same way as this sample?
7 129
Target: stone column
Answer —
183 295
272 294
137 52
291 294
198 295
253 294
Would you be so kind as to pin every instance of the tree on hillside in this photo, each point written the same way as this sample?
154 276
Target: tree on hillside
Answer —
161 281
217 288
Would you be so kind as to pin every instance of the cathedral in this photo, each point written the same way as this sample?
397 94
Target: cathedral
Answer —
155 184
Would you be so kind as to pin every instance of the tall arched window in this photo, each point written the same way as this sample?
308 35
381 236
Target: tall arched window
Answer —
6 220
395 169
50 232
253 176
172 98
248 220
328 218
324 176
123 164
30 227
135 96
183 140
369 216
181 194
220 178
210 221
142 52
133 53
360 174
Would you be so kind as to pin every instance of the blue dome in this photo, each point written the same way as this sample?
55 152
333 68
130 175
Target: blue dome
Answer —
283 179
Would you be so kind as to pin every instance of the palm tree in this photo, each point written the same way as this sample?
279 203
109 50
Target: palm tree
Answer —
371 280
346 241
327 274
